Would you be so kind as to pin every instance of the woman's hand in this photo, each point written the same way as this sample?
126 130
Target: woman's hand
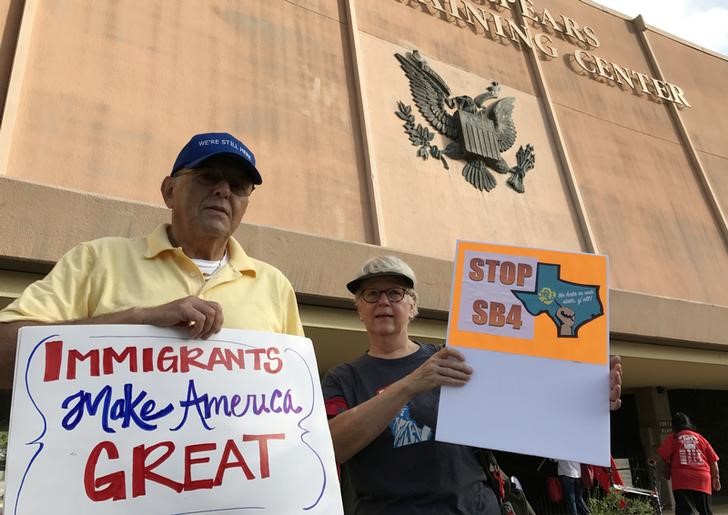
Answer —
445 367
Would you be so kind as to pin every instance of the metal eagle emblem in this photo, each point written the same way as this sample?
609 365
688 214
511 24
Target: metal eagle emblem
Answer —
480 134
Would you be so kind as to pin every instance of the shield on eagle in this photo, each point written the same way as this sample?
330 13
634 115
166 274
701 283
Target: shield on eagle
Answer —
478 134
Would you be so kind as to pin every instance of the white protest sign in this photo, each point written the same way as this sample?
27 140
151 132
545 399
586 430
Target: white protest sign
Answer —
136 419
534 326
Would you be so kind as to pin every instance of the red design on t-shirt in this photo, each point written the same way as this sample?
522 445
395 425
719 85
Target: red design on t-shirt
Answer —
335 405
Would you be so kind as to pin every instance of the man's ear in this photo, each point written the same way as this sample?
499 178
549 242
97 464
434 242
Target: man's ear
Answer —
167 190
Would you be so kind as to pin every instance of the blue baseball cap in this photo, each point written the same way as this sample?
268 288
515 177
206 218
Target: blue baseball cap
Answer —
210 144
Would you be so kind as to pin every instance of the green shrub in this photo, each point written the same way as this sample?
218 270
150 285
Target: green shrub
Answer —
616 503
3 445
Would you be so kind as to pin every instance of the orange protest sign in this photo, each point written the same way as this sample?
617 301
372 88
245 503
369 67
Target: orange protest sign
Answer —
534 302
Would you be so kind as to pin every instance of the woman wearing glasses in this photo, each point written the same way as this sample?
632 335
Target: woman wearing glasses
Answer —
383 407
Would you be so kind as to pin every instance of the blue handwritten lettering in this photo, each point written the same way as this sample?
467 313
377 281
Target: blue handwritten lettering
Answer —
206 406
126 409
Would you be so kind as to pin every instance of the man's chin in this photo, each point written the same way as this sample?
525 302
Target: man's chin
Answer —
216 228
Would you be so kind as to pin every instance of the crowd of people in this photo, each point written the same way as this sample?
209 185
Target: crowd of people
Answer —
382 406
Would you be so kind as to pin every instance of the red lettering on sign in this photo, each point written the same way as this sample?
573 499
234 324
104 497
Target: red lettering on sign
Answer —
524 272
263 449
497 314
225 463
199 484
141 472
476 269
111 486
494 314
53 357
480 312
147 458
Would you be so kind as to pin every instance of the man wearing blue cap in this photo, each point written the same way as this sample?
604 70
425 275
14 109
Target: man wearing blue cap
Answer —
189 273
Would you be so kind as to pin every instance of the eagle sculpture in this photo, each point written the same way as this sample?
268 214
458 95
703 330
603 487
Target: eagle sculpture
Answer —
480 134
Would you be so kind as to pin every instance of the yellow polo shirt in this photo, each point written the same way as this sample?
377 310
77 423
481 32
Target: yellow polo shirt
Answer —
114 274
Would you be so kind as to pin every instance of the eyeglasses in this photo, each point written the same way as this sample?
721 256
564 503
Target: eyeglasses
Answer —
372 295
240 184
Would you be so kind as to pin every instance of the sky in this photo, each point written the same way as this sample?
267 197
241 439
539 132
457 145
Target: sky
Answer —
703 22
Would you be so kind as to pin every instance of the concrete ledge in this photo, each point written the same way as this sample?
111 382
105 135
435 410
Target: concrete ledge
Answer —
642 316
40 223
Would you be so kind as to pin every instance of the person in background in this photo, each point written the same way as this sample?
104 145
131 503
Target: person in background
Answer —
692 465
569 473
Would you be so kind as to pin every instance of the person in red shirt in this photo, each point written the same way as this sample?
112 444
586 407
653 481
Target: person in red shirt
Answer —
692 464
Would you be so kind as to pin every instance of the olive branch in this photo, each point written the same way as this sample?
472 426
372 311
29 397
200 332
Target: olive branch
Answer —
419 136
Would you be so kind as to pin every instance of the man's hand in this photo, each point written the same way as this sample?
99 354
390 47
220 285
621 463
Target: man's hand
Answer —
445 367
203 317
615 382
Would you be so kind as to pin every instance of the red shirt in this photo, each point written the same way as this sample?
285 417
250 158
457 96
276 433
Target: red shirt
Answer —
689 456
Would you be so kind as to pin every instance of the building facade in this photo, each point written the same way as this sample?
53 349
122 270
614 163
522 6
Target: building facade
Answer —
628 127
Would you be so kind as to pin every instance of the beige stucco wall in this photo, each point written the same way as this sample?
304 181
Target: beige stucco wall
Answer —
703 75
648 210
716 168
643 198
107 92
427 208
594 96
410 24
640 192
10 17
112 90
707 120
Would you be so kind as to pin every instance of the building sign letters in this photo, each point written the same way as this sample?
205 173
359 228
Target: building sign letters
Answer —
543 25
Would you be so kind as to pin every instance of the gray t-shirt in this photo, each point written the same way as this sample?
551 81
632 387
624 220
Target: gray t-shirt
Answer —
404 471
